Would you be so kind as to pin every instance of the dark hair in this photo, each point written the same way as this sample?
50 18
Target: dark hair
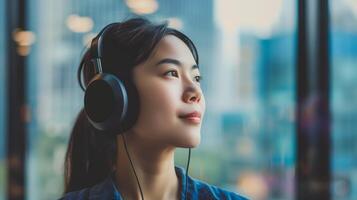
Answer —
90 154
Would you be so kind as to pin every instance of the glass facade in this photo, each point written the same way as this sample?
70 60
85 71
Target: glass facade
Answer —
248 143
343 38
2 101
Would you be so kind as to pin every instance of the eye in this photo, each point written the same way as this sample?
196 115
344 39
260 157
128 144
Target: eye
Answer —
174 73
198 78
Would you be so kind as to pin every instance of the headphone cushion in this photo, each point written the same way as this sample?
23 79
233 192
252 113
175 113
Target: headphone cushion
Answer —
133 105
106 102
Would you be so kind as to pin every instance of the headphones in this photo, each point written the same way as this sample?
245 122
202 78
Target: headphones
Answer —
106 99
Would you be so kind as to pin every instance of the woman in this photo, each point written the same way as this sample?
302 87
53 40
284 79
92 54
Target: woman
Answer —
133 157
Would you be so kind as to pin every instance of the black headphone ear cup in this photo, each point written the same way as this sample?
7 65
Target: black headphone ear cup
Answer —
106 102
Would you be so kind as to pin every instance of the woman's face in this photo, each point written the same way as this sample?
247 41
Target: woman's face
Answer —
169 88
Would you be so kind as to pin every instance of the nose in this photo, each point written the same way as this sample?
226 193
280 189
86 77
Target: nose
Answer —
192 94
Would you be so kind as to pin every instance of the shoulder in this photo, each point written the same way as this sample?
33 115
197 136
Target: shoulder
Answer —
207 191
102 190
197 189
77 195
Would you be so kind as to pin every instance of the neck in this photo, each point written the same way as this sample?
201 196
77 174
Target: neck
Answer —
154 167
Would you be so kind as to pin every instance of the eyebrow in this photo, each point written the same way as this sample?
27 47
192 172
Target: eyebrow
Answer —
175 62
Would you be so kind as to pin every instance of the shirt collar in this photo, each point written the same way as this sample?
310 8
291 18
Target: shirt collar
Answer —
108 190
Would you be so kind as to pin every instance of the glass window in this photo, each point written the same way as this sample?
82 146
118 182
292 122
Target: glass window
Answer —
248 131
53 91
343 37
3 112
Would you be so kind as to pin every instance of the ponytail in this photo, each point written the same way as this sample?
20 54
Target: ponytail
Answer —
90 155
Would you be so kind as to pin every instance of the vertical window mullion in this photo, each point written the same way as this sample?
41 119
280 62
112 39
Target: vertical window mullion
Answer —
313 111
16 106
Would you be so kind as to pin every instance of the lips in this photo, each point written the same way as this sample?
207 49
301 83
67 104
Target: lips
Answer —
194 114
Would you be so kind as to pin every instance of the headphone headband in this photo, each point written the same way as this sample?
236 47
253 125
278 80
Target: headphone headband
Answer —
96 48
96 45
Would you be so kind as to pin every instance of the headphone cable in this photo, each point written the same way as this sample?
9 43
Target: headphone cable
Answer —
188 164
132 166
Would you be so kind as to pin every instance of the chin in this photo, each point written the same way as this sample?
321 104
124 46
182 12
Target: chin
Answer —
188 145
191 142
192 145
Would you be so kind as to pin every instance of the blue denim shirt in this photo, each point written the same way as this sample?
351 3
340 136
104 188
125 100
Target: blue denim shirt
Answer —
196 190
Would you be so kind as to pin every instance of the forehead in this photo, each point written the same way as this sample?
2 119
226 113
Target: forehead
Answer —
171 46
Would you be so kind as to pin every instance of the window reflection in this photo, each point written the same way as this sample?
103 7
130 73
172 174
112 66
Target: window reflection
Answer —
343 38
247 59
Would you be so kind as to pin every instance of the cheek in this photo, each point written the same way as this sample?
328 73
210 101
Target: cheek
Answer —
159 105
